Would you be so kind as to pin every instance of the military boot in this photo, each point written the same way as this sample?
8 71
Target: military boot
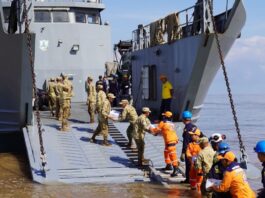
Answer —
168 167
175 171
93 139
105 142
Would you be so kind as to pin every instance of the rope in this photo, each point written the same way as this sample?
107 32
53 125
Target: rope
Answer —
241 145
37 112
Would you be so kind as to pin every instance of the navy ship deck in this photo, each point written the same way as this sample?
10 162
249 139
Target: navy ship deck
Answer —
71 158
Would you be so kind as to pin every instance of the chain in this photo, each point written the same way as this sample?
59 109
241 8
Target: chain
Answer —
37 112
242 147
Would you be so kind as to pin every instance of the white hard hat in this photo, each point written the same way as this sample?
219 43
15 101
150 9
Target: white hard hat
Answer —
217 137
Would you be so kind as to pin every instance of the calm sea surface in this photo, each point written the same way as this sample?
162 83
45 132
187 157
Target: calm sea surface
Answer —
216 117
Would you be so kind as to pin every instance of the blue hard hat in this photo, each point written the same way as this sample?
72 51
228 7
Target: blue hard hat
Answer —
186 115
260 147
223 147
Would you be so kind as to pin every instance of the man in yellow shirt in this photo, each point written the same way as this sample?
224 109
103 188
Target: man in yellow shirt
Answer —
167 94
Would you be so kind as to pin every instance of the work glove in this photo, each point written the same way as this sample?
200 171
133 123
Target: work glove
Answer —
182 157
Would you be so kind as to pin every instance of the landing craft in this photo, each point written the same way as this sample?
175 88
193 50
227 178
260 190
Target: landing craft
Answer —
182 47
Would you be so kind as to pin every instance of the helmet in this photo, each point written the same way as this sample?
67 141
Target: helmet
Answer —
167 114
260 147
230 156
217 137
223 147
186 115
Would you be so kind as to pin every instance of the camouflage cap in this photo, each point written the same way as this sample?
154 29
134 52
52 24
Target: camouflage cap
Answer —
110 95
124 101
89 78
203 140
63 74
146 109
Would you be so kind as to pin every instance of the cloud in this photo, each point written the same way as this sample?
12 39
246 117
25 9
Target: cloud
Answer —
248 49
245 65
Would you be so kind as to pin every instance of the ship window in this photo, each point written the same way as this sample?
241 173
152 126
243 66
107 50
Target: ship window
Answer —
80 17
149 87
42 16
92 19
6 14
60 16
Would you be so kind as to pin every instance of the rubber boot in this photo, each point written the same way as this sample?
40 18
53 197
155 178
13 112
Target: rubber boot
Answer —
168 167
175 171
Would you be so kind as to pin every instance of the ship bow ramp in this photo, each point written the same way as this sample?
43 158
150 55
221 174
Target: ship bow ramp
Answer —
72 158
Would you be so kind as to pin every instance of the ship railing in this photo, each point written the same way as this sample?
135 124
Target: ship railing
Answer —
86 1
191 21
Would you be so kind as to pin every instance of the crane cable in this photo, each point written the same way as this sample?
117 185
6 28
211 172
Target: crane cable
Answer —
37 112
243 157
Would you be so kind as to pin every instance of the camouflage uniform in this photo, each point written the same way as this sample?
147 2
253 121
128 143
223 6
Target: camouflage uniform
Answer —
101 97
52 96
64 102
91 100
69 94
142 125
103 121
129 113
203 165
58 109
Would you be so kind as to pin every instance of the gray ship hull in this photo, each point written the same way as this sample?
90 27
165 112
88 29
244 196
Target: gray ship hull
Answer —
190 64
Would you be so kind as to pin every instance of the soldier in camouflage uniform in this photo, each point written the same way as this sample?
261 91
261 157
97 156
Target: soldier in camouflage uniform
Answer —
91 99
52 95
103 120
70 92
203 165
101 96
64 102
142 126
58 109
129 113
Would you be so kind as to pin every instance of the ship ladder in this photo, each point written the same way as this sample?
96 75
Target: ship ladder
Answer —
37 112
252 171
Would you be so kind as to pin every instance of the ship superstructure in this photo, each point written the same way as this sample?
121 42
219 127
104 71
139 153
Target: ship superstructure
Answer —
71 38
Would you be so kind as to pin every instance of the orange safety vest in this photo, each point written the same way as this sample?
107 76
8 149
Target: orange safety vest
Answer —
235 182
168 132
193 149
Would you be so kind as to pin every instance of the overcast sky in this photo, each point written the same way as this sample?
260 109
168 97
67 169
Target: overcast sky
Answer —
246 60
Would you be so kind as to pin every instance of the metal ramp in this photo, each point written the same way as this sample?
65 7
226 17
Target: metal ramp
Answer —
154 150
73 159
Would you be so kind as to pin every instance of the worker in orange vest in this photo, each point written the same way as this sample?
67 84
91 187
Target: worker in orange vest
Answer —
192 152
167 128
234 180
